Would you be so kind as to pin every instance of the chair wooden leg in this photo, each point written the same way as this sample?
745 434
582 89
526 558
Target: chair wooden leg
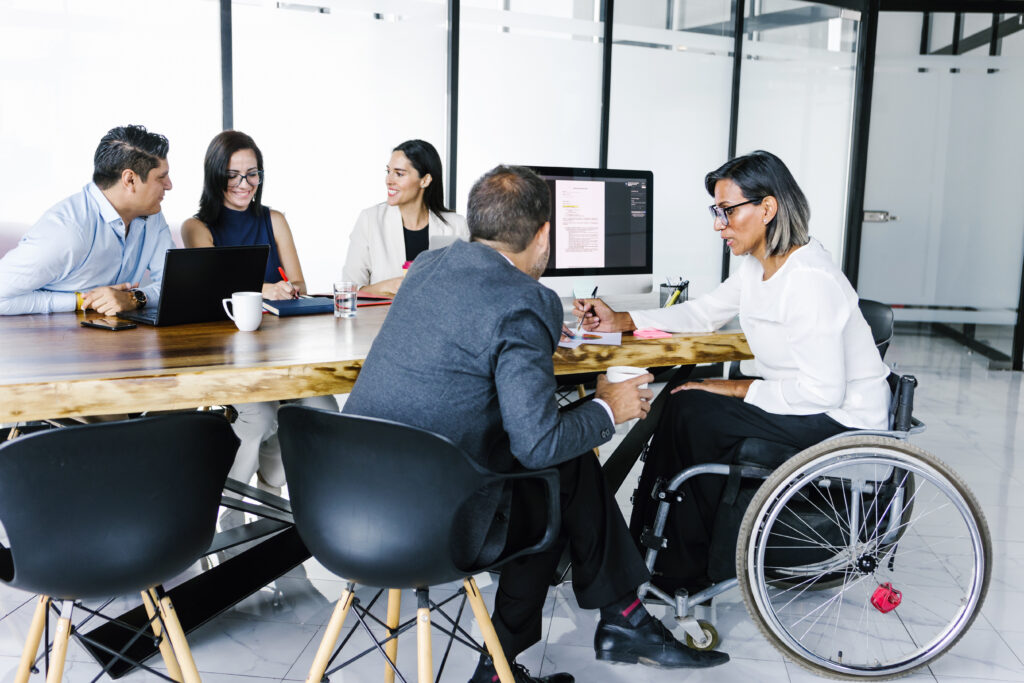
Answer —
189 672
35 633
60 643
483 619
150 599
323 653
391 648
424 653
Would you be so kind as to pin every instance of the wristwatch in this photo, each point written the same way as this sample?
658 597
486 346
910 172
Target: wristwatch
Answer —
140 297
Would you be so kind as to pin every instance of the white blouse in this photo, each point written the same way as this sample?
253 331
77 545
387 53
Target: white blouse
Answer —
810 341
376 247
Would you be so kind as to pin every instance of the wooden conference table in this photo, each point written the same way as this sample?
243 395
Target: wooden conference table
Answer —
51 367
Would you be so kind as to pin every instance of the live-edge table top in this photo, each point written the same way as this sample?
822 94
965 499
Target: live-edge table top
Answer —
52 367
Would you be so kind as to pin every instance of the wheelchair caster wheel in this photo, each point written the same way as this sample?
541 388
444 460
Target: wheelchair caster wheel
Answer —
710 635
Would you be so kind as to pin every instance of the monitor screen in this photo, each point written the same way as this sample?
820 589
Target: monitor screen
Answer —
601 229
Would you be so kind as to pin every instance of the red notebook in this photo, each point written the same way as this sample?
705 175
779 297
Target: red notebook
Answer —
371 300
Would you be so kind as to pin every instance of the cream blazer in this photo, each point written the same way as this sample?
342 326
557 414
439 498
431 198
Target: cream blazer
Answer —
376 247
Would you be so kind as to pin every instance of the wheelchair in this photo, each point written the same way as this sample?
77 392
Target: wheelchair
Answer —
861 557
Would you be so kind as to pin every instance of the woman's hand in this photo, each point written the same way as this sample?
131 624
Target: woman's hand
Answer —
275 291
725 387
387 287
599 316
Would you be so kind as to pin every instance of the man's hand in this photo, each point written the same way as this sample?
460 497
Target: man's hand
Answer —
276 291
726 387
110 300
626 399
599 316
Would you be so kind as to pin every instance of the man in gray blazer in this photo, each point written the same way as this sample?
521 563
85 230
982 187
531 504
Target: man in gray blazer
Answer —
466 351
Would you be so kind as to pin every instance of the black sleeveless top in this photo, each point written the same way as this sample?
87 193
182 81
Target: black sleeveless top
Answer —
247 228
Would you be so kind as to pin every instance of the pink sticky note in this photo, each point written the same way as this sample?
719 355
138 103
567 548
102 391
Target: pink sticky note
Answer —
650 333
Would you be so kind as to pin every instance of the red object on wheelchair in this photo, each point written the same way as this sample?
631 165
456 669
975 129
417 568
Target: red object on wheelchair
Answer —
886 598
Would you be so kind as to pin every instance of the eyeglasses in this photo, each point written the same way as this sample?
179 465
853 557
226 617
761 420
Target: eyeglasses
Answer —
254 178
722 213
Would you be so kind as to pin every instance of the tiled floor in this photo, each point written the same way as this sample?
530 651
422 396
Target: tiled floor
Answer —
973 417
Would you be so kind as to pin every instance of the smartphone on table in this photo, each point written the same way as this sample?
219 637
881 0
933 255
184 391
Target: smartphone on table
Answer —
113 324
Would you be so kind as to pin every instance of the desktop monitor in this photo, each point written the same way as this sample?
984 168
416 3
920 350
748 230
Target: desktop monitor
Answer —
602 229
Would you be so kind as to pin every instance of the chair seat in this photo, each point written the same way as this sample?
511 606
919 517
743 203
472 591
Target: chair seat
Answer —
763 453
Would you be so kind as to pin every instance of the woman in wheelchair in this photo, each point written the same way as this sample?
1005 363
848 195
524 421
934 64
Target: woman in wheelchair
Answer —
819 372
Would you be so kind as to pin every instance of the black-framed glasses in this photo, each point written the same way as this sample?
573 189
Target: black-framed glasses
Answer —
254 178
722 213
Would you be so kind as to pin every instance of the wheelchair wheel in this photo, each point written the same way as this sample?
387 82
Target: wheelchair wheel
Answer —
911 585
830 571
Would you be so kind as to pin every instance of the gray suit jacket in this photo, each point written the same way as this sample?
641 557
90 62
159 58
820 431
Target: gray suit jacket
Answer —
466 351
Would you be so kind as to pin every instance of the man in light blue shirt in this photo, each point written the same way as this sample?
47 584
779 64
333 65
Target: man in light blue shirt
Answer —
91 250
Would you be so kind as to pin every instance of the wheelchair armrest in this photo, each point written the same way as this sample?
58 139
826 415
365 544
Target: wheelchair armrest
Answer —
549 478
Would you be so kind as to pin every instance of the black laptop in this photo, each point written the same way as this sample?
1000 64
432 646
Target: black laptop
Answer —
196 280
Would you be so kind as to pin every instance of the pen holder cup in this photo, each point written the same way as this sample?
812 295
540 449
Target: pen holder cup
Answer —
665 293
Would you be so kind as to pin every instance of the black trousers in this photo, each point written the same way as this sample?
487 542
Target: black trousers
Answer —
605 562
699 427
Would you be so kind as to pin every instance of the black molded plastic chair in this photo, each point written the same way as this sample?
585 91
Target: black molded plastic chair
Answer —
102 510
382 504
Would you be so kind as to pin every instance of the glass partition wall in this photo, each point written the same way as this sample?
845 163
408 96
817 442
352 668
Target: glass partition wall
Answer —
327 91
796 101
329 87
943 236
671 88
529 85
70 70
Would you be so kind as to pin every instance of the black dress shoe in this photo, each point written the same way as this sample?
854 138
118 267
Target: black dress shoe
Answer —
485 673
652 644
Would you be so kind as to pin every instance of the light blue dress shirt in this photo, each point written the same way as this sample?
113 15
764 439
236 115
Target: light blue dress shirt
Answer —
78 245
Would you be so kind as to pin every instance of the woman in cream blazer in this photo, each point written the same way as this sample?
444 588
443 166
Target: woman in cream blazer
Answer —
413 219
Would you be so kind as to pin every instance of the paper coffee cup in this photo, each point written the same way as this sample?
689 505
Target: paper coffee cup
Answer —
620 373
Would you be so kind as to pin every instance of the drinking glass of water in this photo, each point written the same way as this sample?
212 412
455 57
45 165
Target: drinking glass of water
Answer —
345 295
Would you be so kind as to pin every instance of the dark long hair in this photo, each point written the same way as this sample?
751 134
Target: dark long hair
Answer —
425 159
215 175
758 175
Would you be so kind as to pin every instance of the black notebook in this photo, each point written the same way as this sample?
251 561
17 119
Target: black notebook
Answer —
287 307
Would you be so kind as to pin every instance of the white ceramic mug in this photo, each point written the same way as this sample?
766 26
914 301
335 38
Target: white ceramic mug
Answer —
620 373
246 310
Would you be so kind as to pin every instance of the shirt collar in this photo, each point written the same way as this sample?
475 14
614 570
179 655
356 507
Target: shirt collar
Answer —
107 210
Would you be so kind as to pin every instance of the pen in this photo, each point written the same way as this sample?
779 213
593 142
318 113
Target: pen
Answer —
284 276
675 295
579 323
